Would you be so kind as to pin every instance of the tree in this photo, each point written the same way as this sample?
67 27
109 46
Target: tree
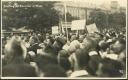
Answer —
69 17
117 19
107 20
34 17
99 17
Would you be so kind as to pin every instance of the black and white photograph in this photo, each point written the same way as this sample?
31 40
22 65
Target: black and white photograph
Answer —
63 39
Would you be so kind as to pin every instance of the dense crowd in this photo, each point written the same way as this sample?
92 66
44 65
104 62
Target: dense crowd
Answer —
82 55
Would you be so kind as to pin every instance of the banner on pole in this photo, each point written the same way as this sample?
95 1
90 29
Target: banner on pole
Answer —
92 28
55 29
78 25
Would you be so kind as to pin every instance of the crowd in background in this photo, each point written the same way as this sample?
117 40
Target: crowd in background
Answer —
82 55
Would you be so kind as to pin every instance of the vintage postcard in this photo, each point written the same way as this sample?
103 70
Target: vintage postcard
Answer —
64 39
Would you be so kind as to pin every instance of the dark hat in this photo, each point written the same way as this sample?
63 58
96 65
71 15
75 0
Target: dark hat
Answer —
61 40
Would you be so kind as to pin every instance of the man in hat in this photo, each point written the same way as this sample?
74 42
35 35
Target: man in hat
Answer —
58 44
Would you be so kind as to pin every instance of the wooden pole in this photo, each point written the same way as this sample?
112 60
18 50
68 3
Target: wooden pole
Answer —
86 20
65 17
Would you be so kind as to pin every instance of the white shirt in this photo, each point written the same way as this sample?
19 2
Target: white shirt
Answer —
79 73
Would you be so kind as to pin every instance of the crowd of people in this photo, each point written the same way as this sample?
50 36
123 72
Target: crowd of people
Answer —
82 55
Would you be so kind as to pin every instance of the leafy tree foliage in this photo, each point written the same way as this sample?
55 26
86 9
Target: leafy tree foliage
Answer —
107 20
69 17
37 15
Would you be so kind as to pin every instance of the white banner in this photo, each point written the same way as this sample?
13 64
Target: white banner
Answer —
78 25
92 28
55 29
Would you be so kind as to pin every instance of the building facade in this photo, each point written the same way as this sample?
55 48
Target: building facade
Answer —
76 9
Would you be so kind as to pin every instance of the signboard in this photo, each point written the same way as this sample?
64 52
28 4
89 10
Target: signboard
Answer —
78 25
55 29
66 24
92 28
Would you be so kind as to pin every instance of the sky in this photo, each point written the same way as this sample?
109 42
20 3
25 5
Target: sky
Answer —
98 2
121 2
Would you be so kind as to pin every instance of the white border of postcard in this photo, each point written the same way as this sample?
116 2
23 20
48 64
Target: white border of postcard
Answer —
61 77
